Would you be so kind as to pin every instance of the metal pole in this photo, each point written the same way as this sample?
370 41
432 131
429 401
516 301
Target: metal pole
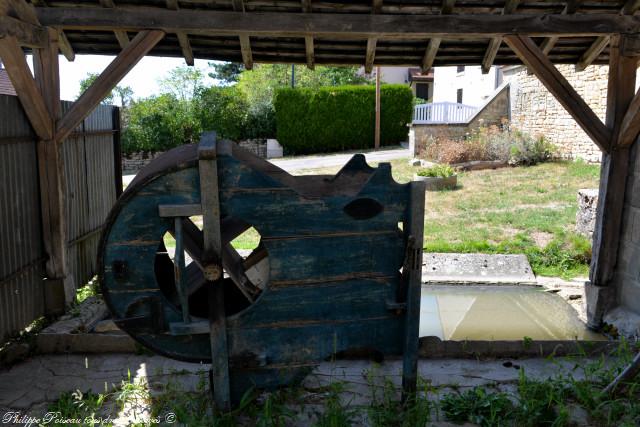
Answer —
377 130
293 76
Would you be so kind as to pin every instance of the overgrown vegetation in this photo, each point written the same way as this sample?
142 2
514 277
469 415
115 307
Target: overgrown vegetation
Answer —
340 118
437 171
240 108
490 143
572 396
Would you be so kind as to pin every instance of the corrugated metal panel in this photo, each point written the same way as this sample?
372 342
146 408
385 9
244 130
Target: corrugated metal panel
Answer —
89 197
90 189
21 251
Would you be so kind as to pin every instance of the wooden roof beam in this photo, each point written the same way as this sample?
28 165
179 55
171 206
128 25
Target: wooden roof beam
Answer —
490 55
245 49
596 48
27 13
570 8
370 55
28 92
406 27
434 42
309 49
25 34
531 55
183 38
110 77
121 36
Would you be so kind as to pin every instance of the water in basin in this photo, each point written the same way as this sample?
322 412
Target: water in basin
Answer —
460 313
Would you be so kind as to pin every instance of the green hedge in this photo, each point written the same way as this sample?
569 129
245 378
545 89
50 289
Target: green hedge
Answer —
340 118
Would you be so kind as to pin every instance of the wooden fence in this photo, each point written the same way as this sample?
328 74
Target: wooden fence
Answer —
92 177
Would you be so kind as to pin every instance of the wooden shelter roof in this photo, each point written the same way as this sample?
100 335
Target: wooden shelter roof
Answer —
421 33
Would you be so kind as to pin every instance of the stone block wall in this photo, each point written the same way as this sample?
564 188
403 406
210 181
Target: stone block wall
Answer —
494 112
586 216
535 111
626 316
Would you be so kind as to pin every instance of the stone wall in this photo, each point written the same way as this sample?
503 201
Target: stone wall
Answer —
494 112
535 111
626 281
586 216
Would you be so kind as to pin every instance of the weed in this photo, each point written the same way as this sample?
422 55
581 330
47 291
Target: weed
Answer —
479 407
336 414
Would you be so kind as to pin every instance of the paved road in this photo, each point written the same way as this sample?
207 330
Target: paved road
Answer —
291 164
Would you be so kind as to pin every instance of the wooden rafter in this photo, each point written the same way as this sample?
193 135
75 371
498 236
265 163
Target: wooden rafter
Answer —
370 55
309 45
27 14
245 49
121 36
596 48
492 50
570 8
406 27
531 55
376 6
245 41
183 38
434 42
309 50
115 71
25 34
20 75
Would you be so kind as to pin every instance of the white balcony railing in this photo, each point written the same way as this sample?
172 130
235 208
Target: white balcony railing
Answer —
442 112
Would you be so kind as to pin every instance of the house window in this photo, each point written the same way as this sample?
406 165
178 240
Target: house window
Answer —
422 91
459 96
460 69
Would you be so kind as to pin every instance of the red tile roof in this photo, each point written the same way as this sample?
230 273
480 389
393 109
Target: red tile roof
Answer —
6 88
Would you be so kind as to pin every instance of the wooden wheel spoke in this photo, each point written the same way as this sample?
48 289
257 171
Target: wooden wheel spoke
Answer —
232 261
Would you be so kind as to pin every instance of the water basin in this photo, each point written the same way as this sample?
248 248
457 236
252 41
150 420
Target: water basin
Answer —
488 313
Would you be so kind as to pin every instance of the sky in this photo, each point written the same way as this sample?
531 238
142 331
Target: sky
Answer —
143 79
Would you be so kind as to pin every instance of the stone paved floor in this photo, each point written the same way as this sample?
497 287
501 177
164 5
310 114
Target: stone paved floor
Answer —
30 386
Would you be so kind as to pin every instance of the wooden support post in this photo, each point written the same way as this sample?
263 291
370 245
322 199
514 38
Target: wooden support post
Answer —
119 67
557 84
309 48
415 232
245 49
212 257
378 108
60 288
370 55
613 178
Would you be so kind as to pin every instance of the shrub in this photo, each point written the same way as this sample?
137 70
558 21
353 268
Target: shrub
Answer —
438 171
490 143
340 118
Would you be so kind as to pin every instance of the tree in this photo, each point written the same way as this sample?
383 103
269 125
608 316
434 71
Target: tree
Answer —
183 82
226 72
124 94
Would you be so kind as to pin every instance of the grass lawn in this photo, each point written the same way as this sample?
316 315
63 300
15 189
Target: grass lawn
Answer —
529 210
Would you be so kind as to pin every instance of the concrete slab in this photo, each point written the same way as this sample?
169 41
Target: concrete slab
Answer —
28 388
477 269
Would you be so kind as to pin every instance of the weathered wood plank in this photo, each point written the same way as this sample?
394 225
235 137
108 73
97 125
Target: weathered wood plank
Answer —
370 55
558 85
185 46
309 51
356 25
570 8
245 49
490 55
415 233
630 126
25 34
376 6
430 54
613 172
596 48
115 71
20 75
65 47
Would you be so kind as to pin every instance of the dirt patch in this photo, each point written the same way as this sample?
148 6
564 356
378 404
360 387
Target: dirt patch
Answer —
541 238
